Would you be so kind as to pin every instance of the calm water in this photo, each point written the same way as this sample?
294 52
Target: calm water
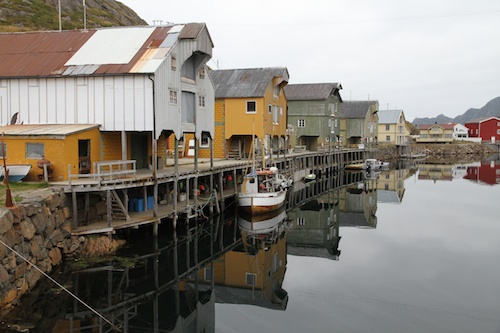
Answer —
410 250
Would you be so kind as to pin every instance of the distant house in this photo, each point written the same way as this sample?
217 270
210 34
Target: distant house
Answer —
488 129
249 102
392 127
312 113
358 122
436 133
460 132
138 85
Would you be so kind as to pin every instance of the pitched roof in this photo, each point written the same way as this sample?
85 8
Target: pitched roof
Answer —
481 120
45 129
355 109
311 91
119 50
389 116
250 82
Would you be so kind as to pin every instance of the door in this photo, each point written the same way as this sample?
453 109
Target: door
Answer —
139 150
84 163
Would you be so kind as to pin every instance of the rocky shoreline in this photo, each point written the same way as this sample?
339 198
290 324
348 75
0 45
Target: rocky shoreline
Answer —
39 230
455 152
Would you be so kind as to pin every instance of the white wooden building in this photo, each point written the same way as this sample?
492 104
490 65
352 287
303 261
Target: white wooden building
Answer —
140 84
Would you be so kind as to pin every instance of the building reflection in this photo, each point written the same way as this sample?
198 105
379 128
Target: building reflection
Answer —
314 227
253 273
391 185
487 172
358 204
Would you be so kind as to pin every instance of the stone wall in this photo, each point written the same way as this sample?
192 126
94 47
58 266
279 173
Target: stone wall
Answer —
39 228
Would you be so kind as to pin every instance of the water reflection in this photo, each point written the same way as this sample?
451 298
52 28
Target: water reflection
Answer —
173 283
486 172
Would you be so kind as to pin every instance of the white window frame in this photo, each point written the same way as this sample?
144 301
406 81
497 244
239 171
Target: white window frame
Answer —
252 276
173 62
270 109
201 101
255 107
301 123
204 136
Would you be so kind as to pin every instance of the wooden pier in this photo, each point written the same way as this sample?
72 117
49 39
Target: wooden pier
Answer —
129 198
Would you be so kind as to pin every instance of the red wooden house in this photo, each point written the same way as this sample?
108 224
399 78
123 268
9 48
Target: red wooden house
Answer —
488 129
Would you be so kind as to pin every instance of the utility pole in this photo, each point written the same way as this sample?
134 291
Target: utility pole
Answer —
84 16
60 22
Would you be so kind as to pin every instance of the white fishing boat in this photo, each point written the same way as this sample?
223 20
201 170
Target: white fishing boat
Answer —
16 171
261 191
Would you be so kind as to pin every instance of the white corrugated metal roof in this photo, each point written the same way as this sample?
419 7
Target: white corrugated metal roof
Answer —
42 130
111 46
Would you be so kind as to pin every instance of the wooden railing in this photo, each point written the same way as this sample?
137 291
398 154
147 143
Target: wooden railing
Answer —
106 171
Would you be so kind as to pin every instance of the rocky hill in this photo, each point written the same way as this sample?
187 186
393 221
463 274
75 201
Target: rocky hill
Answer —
491 109
30 15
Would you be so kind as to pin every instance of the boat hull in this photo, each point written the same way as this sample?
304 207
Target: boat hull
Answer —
261 203
16 172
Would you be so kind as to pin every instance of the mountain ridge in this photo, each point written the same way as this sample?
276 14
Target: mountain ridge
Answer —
490 109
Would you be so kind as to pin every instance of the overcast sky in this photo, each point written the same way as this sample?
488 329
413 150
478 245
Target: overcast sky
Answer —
425 57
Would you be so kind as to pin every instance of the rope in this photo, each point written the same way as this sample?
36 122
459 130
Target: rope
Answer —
62 287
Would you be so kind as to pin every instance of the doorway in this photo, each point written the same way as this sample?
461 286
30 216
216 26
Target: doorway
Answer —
84 163
139 150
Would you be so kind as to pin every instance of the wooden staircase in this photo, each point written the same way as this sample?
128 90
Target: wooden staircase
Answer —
235 151
118 210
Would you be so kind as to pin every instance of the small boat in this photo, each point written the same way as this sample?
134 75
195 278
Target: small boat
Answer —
261 191
374 164
309 178
16 171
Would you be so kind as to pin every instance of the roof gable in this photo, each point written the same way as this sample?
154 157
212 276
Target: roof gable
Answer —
355 109
389 116
311 91
250 82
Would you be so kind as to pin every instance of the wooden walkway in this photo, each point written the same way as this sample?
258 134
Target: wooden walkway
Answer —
162 191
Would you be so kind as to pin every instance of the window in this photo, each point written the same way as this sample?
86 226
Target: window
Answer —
204 140
387 127
208 274
448 135
498 131
276 117
251 279
400 129
201 73
270 109
3 150
301 221
201 101
276 91
251 107
35 151
173 97
387 138
173 62
301 123
423 136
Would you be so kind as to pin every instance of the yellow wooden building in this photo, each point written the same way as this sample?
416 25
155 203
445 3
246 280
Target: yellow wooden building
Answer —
66 147
249 102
